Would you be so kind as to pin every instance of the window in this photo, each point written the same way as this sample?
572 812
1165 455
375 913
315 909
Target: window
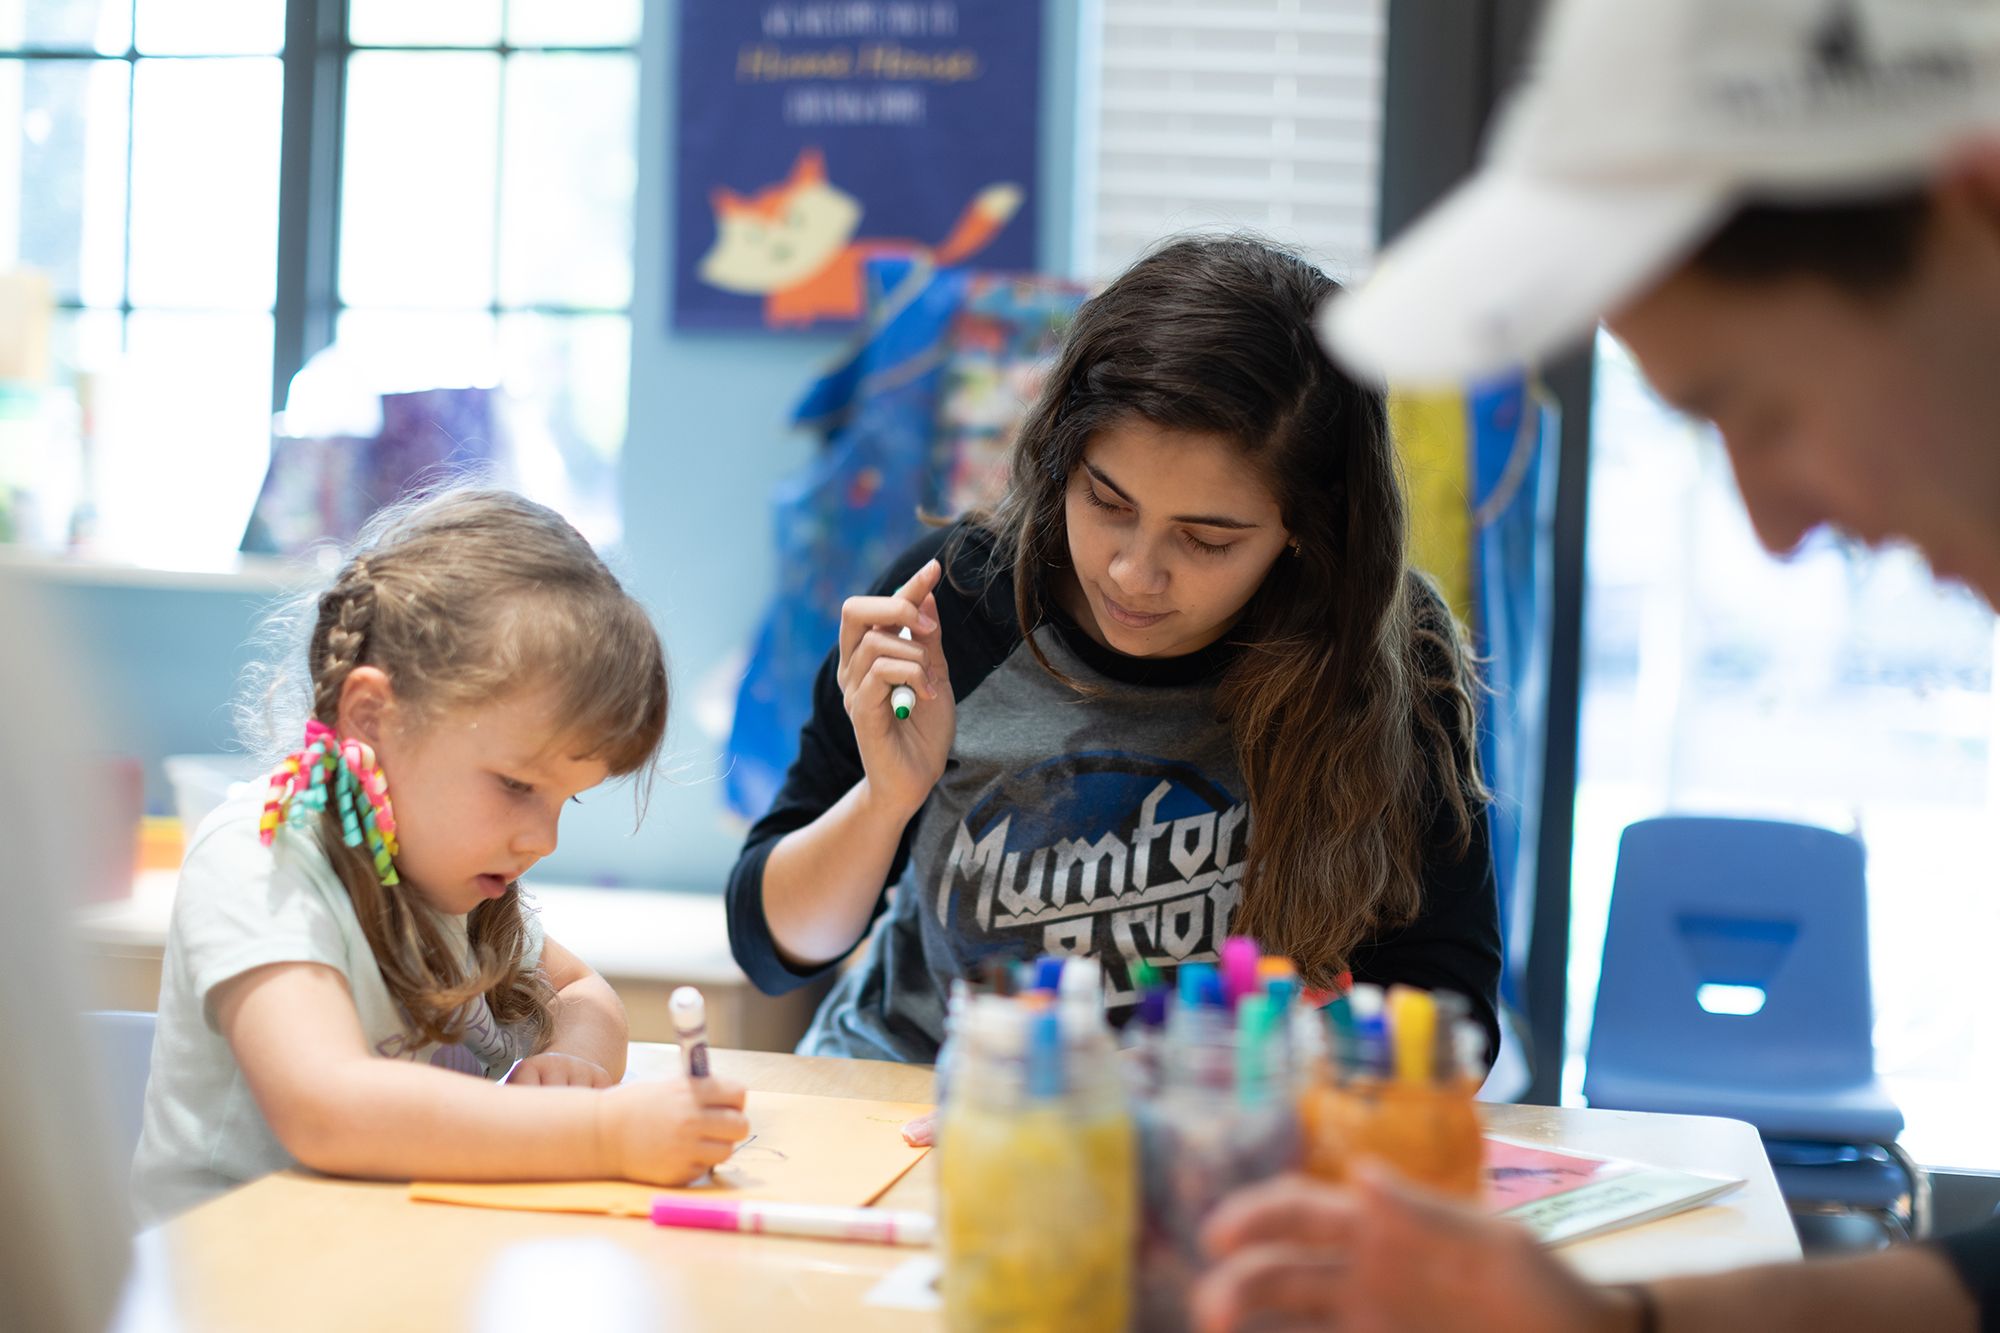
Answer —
486 215
144 185
1263 114
473 222
1838 688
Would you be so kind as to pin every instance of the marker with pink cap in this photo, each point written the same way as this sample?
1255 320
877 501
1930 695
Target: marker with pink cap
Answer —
1239 968
875 1226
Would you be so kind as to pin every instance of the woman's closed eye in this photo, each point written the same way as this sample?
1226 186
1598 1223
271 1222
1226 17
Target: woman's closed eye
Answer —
515 785
1090 494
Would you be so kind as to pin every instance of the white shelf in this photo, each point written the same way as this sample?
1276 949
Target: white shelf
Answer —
241 573
634 934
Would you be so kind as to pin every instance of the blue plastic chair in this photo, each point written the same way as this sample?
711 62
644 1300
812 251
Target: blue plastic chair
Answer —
1734 910
122 1041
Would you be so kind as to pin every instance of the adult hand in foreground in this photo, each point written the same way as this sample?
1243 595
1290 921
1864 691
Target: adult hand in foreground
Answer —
1383 1256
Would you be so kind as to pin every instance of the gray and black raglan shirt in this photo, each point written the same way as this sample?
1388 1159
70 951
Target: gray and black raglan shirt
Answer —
1111 824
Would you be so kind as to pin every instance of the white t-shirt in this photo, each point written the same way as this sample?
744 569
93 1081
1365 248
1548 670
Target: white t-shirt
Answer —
241 905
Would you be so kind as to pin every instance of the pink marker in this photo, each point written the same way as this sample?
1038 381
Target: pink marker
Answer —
876 1226
1239 968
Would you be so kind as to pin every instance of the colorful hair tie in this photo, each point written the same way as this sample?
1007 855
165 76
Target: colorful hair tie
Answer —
346 772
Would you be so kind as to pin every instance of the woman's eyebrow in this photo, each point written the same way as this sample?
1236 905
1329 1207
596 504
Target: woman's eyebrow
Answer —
1200 520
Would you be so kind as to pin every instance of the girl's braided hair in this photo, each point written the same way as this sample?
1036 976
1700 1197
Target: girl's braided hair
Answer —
461 598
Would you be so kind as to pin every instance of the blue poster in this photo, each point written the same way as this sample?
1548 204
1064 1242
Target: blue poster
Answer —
817 135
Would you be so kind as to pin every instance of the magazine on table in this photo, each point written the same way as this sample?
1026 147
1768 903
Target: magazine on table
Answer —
1569 1196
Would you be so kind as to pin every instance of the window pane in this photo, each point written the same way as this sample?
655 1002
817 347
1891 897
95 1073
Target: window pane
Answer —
68 25
205 183
577 367
563 407
417 192
388 351
211 27
84 348
424 22
184 436
62 173
565 23
567 381
567 180
84 342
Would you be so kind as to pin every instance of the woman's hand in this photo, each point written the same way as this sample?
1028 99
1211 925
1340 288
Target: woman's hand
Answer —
921 1132
553 1069
1383 1256
668 1132
902 758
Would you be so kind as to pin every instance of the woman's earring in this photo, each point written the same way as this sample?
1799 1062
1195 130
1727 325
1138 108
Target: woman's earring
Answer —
1296 551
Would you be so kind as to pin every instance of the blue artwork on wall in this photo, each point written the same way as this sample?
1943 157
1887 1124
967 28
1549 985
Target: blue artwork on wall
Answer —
818 135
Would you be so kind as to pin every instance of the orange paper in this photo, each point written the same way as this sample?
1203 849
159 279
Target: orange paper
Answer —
801 1149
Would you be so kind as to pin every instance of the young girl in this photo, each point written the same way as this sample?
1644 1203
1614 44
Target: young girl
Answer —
1181 684
348 946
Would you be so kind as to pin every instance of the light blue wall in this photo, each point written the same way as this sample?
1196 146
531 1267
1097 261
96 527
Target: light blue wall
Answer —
708 441
158 663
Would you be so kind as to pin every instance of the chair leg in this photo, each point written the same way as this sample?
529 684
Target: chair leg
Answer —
1920 1191
1891 1223
1885 1223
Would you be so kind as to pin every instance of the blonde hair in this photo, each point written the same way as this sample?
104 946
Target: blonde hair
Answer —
460 598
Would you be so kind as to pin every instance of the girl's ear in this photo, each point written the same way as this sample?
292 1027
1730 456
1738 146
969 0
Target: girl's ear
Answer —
366 702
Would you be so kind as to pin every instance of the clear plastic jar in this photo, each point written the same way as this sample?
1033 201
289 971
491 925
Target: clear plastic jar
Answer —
1214 1125
1037 1191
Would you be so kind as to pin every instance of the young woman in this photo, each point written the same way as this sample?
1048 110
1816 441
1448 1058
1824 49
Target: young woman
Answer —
1180 684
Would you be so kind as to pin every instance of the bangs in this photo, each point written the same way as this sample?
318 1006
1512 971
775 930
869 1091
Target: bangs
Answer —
606 669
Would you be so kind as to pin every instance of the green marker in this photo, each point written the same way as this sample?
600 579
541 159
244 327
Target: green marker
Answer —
903 698
1255 1021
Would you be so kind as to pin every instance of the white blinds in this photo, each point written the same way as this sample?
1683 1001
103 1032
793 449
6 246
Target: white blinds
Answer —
1263 114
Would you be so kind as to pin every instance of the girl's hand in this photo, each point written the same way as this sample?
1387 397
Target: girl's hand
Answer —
669 1132
902 757
553 1069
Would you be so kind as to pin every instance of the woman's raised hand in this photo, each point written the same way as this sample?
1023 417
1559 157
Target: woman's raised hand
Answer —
902 757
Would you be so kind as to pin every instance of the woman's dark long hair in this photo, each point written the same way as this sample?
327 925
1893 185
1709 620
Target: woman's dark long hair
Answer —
1350 703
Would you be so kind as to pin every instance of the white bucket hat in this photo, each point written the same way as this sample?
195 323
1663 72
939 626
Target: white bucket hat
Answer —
1642 124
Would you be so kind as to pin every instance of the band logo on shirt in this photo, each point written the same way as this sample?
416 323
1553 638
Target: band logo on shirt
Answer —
1123 857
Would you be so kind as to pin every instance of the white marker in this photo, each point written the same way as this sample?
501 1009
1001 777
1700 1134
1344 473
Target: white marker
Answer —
903 698
691 1026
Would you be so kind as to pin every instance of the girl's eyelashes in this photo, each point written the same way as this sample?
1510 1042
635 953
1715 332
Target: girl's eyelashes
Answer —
516 787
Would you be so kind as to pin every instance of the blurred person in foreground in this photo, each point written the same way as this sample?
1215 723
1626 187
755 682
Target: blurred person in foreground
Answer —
1789 212
63 1229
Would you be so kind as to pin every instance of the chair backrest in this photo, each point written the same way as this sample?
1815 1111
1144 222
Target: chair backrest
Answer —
123 1045
1748 904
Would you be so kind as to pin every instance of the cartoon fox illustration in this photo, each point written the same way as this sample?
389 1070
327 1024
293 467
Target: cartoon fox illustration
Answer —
793 243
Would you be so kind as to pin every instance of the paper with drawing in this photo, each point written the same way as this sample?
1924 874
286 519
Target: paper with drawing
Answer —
802 1149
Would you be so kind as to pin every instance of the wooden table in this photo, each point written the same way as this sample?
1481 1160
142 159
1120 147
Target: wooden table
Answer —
301 1252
